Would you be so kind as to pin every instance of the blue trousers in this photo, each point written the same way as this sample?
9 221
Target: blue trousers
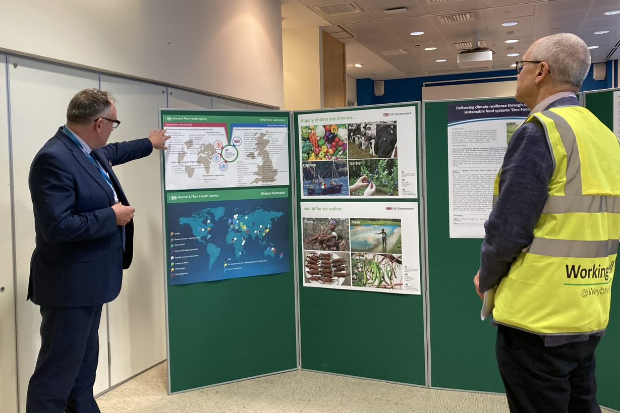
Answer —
64 375
541 379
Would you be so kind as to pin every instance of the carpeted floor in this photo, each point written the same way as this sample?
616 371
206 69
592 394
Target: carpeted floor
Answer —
293 392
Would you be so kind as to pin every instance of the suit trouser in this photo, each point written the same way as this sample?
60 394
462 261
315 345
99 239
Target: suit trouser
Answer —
64 375
543 379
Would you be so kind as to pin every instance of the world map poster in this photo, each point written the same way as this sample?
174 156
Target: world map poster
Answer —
220 235
208 151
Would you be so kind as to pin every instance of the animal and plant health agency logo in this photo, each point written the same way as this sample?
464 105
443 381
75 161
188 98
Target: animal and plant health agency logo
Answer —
169 118
173 197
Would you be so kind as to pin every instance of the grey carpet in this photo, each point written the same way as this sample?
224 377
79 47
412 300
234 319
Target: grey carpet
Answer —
293 392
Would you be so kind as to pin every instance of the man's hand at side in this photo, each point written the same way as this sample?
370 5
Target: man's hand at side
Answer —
477 284
124 214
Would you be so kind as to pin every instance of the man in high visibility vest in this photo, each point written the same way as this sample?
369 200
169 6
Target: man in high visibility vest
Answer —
551 240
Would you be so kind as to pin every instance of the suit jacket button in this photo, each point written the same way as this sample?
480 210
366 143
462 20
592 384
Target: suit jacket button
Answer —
120 249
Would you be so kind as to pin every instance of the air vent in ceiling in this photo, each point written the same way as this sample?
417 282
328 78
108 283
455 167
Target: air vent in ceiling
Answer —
417 73
469 45
393 52
338 9
457 18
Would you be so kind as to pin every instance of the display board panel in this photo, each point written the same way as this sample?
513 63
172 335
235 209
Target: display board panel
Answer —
348 324
462 348
604 105
227 197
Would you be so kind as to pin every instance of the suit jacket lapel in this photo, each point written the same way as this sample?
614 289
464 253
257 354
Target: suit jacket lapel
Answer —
92 170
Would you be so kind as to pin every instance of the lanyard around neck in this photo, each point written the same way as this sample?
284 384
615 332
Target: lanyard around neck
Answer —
90 158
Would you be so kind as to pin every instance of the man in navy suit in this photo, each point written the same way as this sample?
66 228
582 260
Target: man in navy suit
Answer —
84 240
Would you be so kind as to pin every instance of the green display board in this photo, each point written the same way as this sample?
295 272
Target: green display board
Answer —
607 361
375 335
242 325
462 347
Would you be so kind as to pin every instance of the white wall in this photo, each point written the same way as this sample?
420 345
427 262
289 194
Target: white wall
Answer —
351 90
303 88
470 90
231 47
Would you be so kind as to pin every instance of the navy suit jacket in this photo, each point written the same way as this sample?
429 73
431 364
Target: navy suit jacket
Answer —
78 259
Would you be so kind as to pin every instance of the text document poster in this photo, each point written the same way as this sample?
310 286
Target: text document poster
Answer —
372 246
478 135
359 153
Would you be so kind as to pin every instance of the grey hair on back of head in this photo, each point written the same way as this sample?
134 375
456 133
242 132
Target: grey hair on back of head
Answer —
87 105
568 58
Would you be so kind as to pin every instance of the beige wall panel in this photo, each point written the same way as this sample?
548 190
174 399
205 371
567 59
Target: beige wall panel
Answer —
39 94
8 349
302 69
183 99
231 48
334 73
137 316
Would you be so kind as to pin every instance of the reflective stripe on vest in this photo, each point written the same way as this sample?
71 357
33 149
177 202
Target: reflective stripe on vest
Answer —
561 283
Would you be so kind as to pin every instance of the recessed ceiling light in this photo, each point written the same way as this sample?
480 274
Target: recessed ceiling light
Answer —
513 65
602 32
512 54
592 47
611 13
358 65
509 24
430 48
511 41
440 60
417 33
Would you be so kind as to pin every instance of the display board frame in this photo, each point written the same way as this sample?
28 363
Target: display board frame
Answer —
601 104
359 333
238 328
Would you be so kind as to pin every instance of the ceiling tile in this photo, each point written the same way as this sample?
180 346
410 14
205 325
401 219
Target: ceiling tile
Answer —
365 29
507 13
450 6
378 7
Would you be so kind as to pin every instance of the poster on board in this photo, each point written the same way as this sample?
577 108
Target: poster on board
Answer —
371 246
211 150
478 135
226 194
218 235
359 153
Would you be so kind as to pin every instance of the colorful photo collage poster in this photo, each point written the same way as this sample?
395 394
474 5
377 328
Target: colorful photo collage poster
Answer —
364 247
359 153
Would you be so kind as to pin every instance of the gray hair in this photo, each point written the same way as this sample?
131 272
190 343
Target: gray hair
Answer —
87 105
568 58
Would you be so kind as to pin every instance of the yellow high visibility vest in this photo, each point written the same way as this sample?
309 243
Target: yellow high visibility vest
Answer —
561 283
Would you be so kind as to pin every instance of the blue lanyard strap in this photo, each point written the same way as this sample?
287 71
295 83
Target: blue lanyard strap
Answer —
90 158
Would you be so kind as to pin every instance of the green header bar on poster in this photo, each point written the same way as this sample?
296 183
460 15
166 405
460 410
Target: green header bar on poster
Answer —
217 118
226 195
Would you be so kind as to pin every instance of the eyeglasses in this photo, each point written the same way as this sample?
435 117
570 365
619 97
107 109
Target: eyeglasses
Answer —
521 63
115 122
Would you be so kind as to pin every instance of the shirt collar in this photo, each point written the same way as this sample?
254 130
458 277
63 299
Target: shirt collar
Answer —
83 144
549 100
